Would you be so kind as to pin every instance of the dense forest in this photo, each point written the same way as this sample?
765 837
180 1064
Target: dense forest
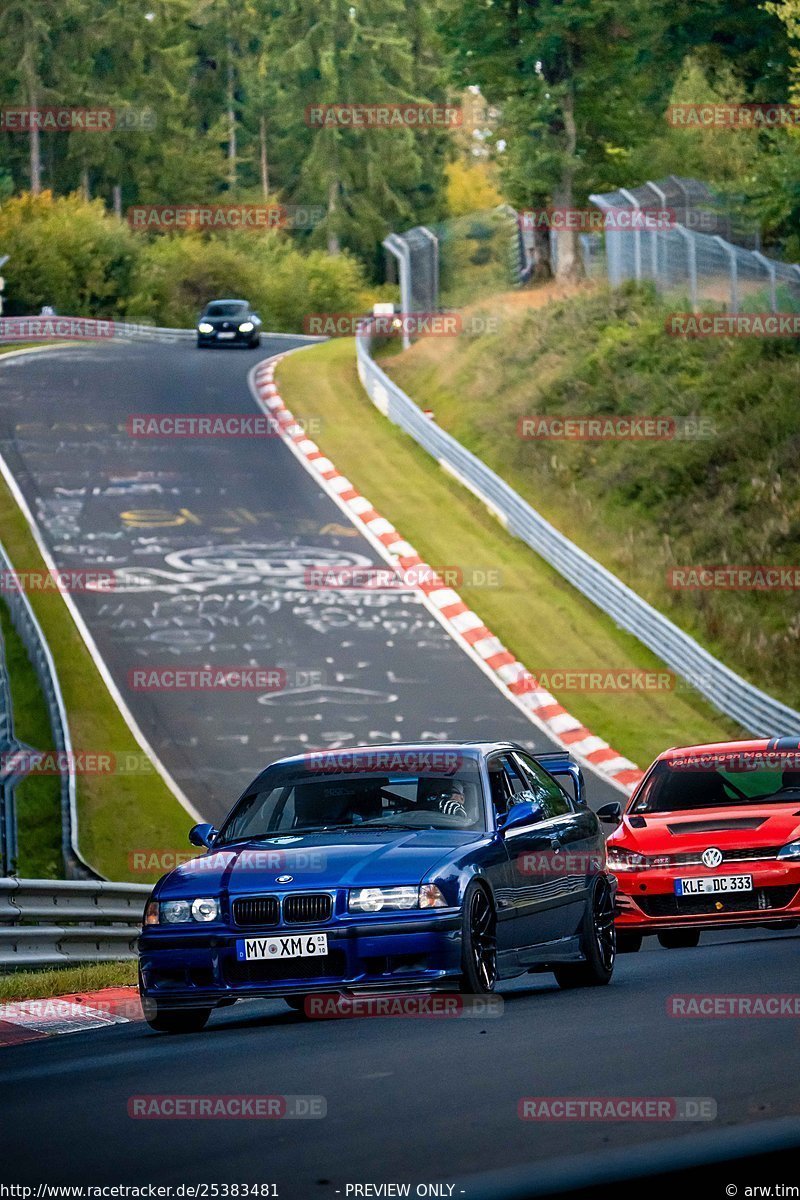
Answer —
211 100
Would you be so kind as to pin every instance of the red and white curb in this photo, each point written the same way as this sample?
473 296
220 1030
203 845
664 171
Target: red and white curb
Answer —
464 625
30 1020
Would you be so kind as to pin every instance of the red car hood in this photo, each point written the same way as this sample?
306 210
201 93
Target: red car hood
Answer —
734 828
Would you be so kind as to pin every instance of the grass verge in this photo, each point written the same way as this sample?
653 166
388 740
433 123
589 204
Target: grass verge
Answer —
38 798
724 490
538 616
66 981
117 813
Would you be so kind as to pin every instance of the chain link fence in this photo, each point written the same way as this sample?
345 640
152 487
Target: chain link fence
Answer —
702 251
458 262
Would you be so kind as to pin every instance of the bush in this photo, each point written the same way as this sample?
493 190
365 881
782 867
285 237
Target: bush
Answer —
65 252
176 276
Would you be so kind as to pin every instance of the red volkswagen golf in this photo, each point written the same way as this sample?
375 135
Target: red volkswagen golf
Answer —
709 839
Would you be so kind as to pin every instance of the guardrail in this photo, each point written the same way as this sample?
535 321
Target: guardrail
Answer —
753 709
27 626
47 922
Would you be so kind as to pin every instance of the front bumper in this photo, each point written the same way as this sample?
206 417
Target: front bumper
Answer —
191 967
646 900
218 339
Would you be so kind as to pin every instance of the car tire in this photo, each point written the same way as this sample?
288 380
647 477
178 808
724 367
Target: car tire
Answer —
679 939
598 942
628 943
478 943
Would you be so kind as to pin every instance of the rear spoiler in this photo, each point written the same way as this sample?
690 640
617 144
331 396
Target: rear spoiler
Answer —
561 762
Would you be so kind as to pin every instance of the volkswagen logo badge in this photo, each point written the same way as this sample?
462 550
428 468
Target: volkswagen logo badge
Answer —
712 857
284 879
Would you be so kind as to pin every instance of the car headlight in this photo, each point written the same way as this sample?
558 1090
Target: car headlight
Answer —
181 912
790 850
204 327
620 859
246 327
378 899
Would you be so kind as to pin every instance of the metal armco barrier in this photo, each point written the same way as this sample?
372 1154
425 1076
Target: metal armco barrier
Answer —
27 626
760 714
47 922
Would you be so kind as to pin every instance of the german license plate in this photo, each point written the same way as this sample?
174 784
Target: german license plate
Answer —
713 884
301 945
226 335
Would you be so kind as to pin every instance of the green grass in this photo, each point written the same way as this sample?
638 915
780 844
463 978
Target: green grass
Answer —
117 813
538 616
66 981
38 799
643 507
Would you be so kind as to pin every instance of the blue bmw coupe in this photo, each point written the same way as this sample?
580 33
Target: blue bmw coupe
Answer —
424 866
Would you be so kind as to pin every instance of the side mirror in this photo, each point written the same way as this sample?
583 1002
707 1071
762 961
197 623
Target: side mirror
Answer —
610 814
524 812
202 835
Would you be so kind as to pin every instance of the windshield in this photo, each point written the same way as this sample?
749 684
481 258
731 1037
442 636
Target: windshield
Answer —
303 800
708 781
230 309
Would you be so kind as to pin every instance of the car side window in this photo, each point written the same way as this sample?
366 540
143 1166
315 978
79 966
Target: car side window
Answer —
553 798
502 783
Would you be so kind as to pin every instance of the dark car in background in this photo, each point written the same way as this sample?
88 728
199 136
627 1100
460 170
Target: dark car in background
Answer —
447 866
228 323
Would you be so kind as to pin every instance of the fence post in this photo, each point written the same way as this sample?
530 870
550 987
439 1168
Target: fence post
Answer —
396 246
691 253
731 253
435 252
637 245
769 267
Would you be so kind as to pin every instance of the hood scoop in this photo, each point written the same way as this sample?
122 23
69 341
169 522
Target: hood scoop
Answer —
717 826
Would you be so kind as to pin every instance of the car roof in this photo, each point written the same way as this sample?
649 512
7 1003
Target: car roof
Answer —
227 300
475 749
746 746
